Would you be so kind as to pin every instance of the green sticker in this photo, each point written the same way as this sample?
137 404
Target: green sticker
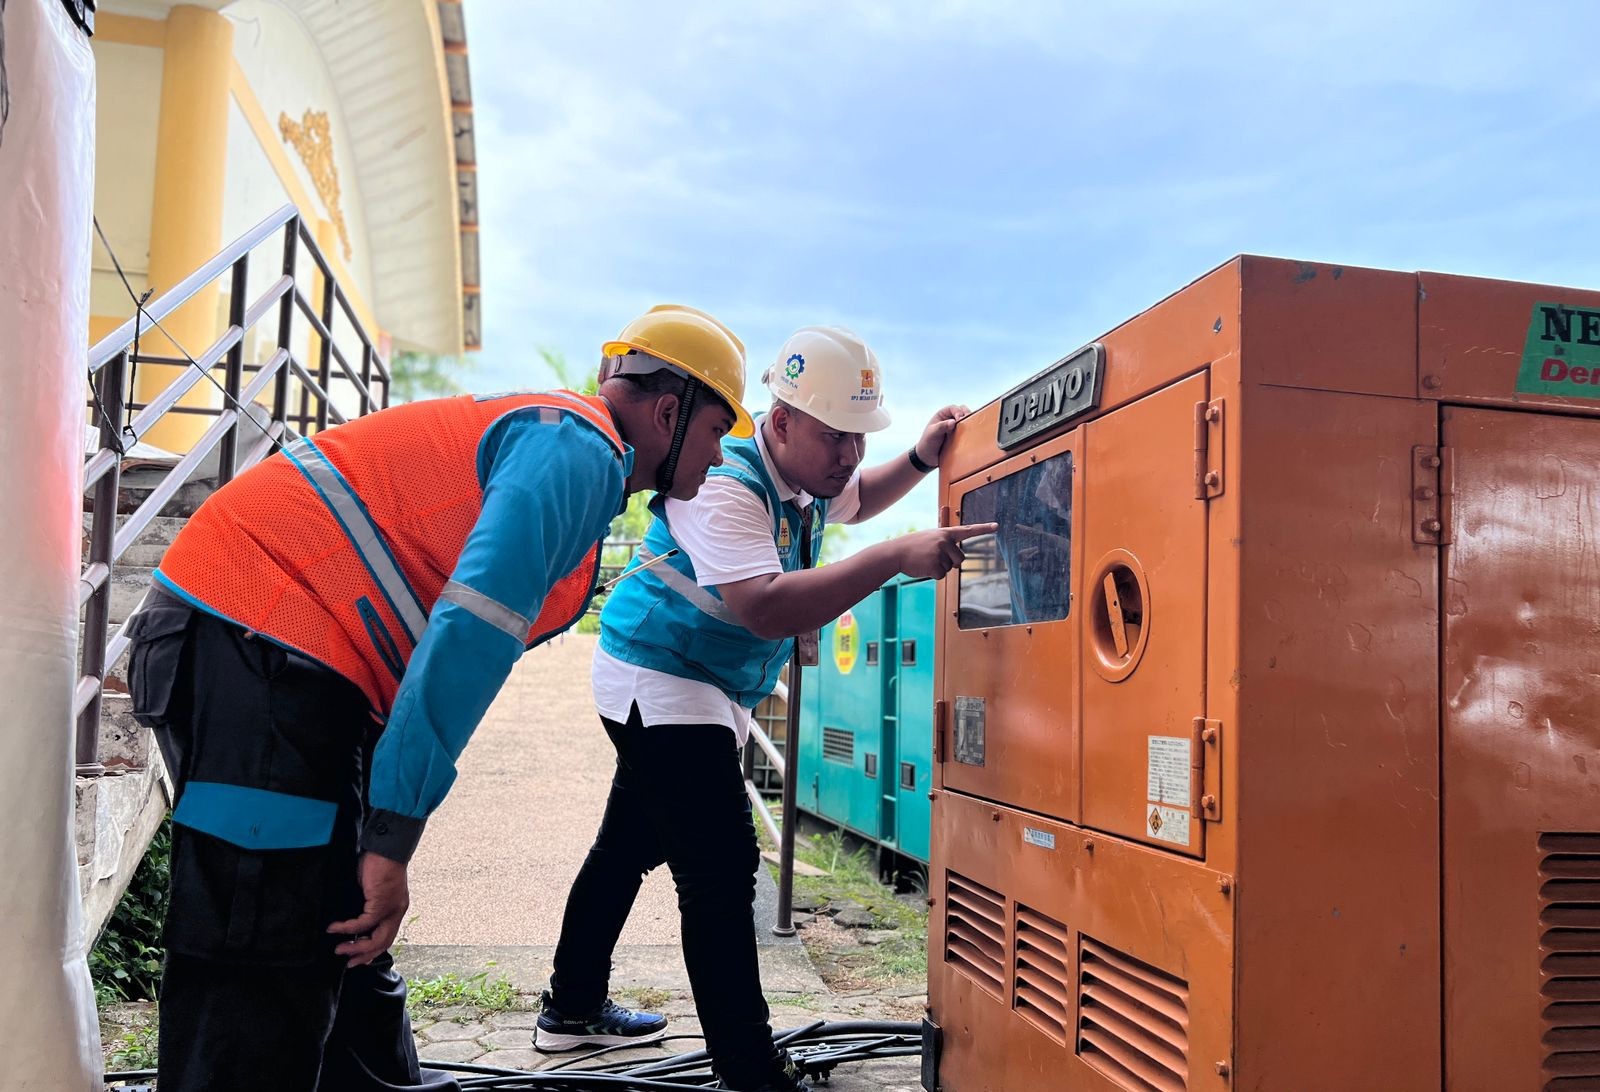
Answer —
1561 355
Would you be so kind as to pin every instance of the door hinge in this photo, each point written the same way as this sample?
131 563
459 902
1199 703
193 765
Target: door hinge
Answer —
1432 491
941 709
1206 776
944 515
1209 472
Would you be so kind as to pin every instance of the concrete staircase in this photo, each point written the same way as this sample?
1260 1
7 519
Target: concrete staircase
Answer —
119 812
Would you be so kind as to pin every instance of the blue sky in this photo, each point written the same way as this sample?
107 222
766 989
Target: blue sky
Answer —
978 188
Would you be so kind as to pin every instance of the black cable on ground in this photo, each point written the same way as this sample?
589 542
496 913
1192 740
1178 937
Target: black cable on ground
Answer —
819 1048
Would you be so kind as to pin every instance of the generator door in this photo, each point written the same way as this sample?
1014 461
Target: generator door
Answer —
1011 696
1521 752
914 718
1143 619
849 691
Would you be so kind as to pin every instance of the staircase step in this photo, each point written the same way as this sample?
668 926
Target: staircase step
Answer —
143 555
161 531
124 742
128 589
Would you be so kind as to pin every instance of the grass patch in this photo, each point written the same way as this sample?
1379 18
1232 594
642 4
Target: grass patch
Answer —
852 877
648 998
125 962
478 991
133 1048
791 1000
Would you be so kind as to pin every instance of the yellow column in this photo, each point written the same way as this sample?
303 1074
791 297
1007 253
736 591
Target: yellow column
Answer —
186 218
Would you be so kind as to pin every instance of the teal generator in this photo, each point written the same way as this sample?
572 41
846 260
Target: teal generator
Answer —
866 722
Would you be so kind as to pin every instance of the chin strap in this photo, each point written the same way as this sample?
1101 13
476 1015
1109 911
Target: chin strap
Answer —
669 466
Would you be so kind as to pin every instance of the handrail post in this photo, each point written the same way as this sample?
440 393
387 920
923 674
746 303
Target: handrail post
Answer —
325 361
103 530
291 252
366 377
784 926
233 380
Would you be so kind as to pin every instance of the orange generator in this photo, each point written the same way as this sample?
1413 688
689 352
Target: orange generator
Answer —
1267 740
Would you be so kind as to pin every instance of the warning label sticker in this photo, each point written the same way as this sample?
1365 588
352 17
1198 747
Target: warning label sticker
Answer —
1169 771
1168 824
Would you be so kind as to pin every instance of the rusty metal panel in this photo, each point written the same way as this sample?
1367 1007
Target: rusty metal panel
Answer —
1143 623
1010 731
1522 753
1490 342
1329 327
1335 802
1112 960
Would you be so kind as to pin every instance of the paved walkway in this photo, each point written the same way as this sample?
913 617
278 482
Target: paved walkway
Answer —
489 883
500 854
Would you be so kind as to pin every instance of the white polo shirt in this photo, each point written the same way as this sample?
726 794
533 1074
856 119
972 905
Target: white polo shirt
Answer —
727 532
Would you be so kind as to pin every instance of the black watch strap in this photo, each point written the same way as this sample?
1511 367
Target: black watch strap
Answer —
917 464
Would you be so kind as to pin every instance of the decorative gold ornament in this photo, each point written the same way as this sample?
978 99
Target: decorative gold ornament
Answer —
313 139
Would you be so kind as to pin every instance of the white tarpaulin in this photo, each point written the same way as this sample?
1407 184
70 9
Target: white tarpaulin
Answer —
46 193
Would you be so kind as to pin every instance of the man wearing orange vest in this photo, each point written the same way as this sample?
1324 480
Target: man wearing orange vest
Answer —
324 636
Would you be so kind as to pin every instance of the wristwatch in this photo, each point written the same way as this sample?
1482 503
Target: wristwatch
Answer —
917 464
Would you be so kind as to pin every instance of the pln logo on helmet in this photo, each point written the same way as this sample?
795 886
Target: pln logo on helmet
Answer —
830 374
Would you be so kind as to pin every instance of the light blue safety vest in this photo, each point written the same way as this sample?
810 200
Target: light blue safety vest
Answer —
664 620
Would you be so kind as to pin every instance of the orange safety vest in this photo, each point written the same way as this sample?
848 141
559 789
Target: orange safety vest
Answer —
339 547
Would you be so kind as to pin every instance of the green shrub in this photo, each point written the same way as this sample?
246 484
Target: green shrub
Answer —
126 961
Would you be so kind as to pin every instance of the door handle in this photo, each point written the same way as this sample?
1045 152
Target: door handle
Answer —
1114 615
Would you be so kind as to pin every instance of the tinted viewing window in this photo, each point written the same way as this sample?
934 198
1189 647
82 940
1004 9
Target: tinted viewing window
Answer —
1021 573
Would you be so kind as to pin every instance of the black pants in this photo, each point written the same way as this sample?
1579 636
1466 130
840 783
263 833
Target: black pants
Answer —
678 797
252 996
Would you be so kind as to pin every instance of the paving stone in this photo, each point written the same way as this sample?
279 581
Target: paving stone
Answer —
650 1052
528 1020
460 1050
448 1031
508 1039
800 917
514 1059
855 917
880 936
809 903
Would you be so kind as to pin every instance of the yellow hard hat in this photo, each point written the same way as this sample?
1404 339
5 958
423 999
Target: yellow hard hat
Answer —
696 343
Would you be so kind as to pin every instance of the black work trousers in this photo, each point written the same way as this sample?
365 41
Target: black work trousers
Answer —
252 995
677 798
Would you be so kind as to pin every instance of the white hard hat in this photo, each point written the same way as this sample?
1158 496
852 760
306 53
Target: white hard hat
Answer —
829 373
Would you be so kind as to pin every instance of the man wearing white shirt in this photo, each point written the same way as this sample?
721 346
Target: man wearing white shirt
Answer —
688 648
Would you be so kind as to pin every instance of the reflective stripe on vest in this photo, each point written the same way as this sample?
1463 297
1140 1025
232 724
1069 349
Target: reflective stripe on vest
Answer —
358 527
693 592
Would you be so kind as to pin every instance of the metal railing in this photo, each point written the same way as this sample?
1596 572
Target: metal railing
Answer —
246 429
762 744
